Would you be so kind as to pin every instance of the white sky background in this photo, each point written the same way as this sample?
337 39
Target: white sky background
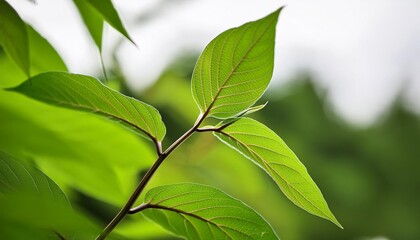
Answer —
362 52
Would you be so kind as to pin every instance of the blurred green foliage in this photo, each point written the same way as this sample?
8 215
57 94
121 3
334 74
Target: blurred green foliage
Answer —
369 175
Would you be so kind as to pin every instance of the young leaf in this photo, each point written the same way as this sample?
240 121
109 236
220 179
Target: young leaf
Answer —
93 20
261 145
109 14
16 177
235 68
14 37
195 211
88 94
252 109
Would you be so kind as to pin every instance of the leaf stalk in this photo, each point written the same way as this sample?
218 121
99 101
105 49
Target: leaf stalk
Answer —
140 187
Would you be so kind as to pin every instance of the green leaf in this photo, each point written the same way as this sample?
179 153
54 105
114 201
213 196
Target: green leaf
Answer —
16 177
253 109
41 217
261 145
198 212
109 14
68 144
43 56
93 20
88 94
14 37
235 68
31 201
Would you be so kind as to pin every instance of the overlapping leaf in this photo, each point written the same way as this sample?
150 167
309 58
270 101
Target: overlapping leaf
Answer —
43 56
106 9
66 144
88 94
261 145
197 212
14 37
93 20
235 68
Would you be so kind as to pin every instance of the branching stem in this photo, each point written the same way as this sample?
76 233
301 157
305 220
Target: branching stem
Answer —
140 187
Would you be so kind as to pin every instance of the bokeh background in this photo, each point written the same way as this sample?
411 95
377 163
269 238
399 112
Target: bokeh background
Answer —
345 97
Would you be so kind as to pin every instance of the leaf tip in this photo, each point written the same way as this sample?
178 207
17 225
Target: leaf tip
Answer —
278 11
12 89
338 224
132 41
335 221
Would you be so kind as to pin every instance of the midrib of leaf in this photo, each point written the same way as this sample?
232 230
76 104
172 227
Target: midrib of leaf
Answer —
94 109
208 221
270 168
235 67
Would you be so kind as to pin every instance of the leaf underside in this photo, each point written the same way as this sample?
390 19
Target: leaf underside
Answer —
195 212
88 94
235 68
267 150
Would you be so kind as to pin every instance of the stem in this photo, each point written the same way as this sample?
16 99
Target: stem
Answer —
133 198
139 208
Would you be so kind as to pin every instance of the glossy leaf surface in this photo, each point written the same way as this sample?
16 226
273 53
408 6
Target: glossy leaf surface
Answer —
196 211
261 145
235 68
14 37
88 94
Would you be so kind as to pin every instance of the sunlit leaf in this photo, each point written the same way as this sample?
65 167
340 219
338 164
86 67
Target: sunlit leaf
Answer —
88 94
14 37
198 212
92 19
235 68
261 145
109 14
68 144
